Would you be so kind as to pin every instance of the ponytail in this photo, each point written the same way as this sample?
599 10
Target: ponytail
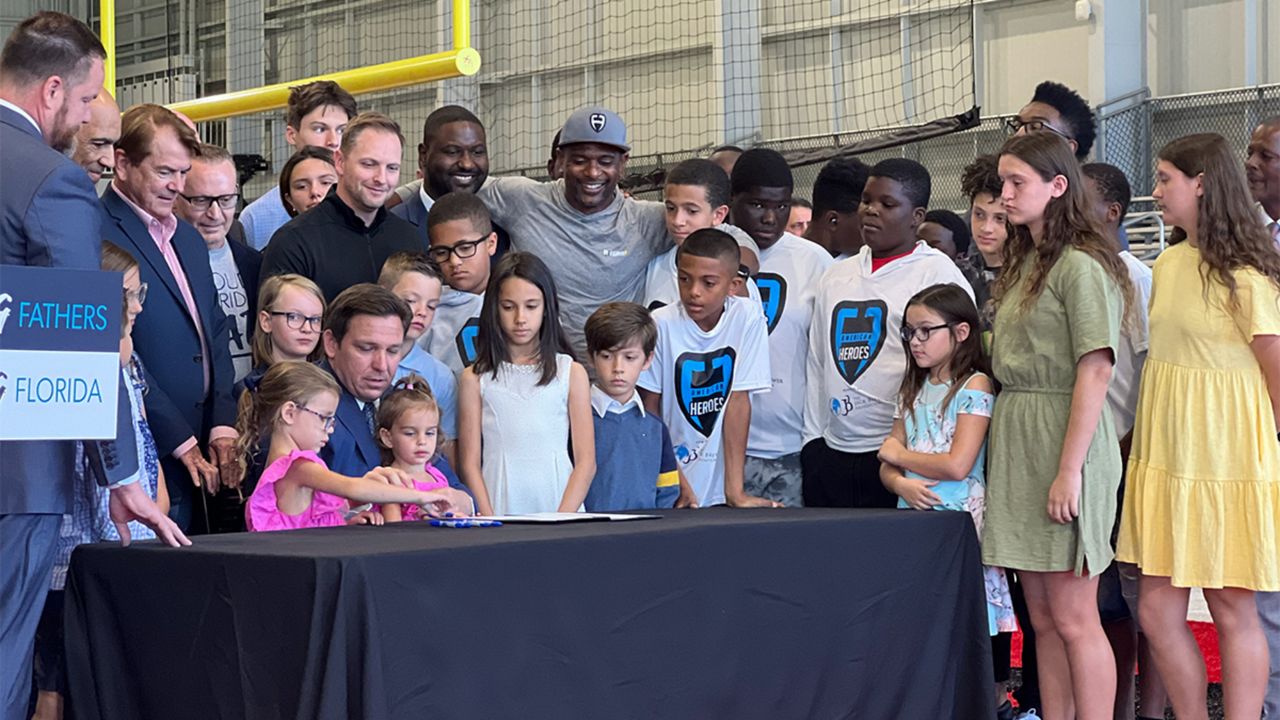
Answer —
259 405
409 392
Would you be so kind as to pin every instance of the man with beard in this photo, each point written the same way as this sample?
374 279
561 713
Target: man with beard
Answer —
345 239
51 68
453 157
597 241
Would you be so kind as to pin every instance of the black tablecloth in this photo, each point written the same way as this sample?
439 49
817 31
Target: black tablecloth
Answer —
703 614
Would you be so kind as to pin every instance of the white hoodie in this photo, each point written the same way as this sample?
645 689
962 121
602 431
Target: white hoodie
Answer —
852 389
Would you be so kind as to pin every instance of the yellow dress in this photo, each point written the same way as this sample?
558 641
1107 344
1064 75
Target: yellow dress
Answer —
1202 501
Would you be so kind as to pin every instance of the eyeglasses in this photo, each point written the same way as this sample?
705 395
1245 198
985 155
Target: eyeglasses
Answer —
201 203
465 249
328 420
1015 125
139 295
297 320
921 333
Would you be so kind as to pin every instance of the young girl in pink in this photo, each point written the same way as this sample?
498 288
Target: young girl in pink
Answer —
409 436
295 402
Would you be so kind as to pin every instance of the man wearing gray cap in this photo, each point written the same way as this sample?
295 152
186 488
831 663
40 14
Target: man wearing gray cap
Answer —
596 241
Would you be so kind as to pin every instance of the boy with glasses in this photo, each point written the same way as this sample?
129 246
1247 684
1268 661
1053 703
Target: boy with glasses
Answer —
1060 110
462 244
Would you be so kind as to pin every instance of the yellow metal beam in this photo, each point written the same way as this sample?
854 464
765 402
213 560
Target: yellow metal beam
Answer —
461 60
387 76
107 34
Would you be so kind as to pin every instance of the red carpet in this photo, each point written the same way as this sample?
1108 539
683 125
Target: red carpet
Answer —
1205 634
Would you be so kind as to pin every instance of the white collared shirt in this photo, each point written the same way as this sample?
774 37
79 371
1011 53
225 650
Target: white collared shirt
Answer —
427 200
23 113
602 403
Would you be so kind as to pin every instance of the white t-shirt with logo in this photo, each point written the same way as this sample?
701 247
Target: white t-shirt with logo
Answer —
788 282
660 284
452 337
235 305
856 360
695 371
1122 395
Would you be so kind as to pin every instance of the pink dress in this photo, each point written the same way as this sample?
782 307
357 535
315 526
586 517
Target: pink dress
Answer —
437 481
262 514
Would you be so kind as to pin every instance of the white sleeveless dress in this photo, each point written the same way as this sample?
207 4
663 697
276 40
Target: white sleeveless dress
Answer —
525 429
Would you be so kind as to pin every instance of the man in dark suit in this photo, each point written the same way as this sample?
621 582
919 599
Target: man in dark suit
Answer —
183 337
364 332
50 71
453 157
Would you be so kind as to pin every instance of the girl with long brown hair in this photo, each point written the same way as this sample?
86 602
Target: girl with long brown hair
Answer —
1054 455
296 405
1202 500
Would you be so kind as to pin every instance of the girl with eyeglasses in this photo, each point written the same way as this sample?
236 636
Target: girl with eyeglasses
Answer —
290 318
295 403
935 456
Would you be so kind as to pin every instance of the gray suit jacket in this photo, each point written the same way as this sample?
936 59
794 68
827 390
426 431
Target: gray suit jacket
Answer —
49 217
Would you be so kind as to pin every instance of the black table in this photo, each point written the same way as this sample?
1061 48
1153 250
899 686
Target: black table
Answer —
703 614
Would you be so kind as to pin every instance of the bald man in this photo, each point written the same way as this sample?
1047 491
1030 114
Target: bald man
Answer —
95 143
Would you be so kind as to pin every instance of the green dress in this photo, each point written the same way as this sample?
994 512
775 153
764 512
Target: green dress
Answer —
1034 356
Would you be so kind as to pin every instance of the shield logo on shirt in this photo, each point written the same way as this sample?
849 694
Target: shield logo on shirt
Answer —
598 121
703 384
857 336
773 296
466 341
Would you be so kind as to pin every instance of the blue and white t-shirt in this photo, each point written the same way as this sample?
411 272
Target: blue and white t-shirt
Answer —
856 359
451 339
695 371
788 281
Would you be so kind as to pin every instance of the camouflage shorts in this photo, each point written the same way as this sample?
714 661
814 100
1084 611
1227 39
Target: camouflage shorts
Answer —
777 479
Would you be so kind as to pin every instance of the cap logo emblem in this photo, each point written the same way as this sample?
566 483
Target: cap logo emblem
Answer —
598 121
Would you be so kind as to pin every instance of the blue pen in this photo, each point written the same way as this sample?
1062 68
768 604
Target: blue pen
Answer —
464 523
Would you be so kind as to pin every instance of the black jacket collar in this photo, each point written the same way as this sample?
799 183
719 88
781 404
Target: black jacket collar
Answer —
344 214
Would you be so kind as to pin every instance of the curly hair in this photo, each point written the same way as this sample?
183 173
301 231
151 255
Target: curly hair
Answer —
1073 109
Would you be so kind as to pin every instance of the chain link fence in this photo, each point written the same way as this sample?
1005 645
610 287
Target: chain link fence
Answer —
1132 130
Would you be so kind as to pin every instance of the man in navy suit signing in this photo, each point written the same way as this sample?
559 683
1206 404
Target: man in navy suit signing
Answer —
364 333
184 337
50 72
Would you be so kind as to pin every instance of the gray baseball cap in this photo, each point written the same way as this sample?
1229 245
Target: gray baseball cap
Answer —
595 124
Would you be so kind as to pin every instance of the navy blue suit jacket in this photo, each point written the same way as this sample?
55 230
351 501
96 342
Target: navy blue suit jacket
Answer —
165 335
49 218
351 449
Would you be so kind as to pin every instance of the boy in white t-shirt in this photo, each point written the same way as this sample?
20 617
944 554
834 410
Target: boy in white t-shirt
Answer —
462 244
790 267
712 354
855 365
696 196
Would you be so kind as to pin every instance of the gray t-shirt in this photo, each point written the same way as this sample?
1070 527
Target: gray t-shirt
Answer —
596 258
234 300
